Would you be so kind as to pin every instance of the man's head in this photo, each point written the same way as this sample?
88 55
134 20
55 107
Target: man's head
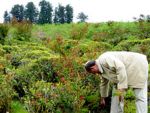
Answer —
91 67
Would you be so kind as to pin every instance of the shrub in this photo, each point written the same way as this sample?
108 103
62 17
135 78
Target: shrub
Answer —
11 48
2 51
4 65
144 28
34 70
6 93
141 46
3 32
23 30
79 31
68 96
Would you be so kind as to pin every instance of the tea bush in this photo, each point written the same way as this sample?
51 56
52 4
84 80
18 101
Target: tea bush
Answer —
6 93
143 28
22 30
48 65
3 32
141 46
79 31
65 96
2 51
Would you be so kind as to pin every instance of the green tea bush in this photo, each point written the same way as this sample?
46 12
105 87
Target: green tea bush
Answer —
87 49
65 96
11 48
79 31
144 28
4 65
23 30
42 69
34 70
6 93
2 51
110 32
141 46
3 32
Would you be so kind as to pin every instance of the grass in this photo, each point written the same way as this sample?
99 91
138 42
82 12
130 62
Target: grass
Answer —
17 107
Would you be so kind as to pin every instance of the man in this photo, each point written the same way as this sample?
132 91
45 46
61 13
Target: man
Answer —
123 69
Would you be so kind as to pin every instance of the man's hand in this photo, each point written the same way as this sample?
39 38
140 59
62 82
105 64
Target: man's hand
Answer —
121 91
121 98
102 102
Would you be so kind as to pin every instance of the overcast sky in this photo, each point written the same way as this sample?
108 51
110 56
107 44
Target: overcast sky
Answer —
97 10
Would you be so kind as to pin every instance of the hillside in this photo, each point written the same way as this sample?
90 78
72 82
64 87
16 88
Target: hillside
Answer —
42 66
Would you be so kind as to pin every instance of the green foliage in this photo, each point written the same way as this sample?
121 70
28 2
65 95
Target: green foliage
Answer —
79 31
50 65
31 12
6 17
141 46
63 14
56 17
68 14
35 66
62 97
6 93
18 107
45 15
82 17
130 95
143 28
142 18
23 30
2 52
3 32
18 12
129 106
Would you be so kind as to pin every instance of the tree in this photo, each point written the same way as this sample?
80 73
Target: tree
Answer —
18 12
45 15
61 14
69 14
31 12
148 18
56 19
142 18
82 17
6 17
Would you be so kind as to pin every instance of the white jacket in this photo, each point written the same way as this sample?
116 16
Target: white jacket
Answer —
123 68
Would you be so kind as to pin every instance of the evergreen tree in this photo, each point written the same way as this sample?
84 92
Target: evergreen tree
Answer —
31 12
61 14
82 17
69 14
6 17
148 18
18 12
45 15
56 19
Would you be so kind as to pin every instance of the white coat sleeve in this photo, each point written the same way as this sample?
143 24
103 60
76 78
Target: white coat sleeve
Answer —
121 74
104 87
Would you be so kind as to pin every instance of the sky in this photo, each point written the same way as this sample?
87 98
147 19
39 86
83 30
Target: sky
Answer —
97 10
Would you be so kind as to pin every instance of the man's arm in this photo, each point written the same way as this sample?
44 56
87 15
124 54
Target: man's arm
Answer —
104 87
121 74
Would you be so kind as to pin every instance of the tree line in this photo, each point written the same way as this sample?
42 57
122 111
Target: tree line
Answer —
61 14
